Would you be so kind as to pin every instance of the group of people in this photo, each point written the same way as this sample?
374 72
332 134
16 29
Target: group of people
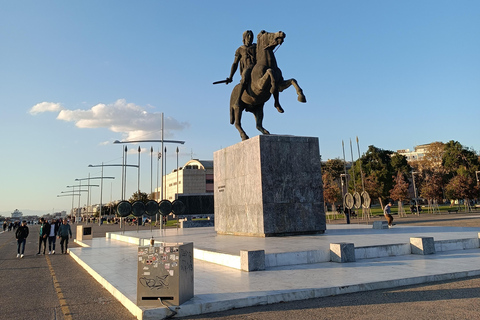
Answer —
10 226
49 230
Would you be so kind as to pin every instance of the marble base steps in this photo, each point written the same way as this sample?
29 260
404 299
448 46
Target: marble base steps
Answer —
197 305
380 225
258 260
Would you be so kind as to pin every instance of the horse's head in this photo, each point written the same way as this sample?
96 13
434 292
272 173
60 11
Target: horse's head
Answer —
268 40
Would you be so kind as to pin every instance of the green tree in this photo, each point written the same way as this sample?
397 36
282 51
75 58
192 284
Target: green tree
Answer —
379 167
373 186
136 196
461 186
431 162
431 188
400 164
331 190
458 158
399 191
431 176
334 167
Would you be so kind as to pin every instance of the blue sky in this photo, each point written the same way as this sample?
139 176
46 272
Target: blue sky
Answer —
77 75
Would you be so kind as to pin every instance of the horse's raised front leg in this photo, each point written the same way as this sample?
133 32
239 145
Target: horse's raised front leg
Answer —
258 113
269 79
287 83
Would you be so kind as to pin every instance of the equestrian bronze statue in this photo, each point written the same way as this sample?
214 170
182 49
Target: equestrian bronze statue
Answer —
261 78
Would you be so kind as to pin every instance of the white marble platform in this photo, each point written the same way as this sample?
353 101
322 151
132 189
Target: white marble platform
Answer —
113 263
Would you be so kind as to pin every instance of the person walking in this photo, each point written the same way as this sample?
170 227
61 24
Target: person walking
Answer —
52 236
63 232
387 214
43 235
21 235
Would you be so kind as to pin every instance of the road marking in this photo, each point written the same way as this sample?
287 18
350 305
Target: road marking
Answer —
61 298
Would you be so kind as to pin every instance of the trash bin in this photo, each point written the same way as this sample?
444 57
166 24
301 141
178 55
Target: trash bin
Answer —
165 272
84 233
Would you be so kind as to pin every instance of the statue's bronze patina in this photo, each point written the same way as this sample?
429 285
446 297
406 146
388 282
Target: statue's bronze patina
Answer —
261 78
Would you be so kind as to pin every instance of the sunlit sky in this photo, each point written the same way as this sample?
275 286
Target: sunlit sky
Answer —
77 75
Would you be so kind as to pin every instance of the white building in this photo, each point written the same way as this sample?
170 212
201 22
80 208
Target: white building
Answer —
195 177
17 214
417 154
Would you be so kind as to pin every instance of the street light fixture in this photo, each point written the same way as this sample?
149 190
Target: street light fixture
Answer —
177 172
138 141
102 177
101 190
415 191
114 165
162 141
80 186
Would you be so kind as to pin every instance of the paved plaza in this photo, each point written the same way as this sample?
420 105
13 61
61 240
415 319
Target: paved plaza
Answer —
220 287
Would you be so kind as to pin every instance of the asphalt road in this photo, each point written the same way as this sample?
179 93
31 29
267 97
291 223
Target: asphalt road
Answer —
56 287
51 286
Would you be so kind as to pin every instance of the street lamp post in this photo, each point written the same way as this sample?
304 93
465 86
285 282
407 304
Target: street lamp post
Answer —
69 195
165 160
151 171
415 192
177 171
101 189
102 177
162 141
79 195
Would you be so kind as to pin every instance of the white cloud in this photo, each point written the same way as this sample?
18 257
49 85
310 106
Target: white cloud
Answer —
133 121
45 107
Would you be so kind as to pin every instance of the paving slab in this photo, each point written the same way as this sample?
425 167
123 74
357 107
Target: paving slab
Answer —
114 264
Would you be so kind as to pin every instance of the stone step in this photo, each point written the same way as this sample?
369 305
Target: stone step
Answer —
257 260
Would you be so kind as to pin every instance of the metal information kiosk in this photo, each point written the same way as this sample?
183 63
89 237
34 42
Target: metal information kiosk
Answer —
165 272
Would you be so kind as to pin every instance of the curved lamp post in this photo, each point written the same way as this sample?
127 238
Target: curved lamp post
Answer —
101 191
102 177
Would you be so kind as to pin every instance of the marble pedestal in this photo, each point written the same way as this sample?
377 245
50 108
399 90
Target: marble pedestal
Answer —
269 185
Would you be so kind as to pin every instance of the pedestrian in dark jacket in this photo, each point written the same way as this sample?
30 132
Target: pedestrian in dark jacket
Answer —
43 235
63 232
21 235
52 236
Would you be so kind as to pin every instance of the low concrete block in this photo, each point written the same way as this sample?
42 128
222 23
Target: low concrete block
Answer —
196 223
422 245
252 260
84 233
380 251
456 244
380 225
342 252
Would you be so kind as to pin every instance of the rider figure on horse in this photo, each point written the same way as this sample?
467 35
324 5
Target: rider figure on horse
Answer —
246 55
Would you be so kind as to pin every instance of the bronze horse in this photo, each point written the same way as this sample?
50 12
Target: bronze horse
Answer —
266 79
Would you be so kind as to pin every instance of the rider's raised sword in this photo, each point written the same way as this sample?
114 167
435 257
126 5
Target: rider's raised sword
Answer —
227 81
